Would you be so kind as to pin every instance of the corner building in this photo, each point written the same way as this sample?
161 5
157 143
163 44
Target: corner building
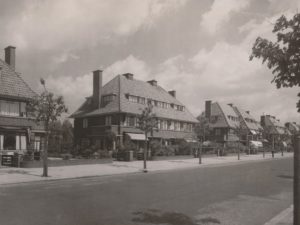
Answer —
116 106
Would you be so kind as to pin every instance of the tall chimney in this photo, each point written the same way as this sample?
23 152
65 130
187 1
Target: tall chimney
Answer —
10 56
207 109
173 93
263 120
97 88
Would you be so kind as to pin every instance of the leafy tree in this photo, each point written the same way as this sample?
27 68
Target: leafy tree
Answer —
67 135
282 56
47 109
202 129
147 123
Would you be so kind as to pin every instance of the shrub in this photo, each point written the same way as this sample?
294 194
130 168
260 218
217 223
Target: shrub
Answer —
155 147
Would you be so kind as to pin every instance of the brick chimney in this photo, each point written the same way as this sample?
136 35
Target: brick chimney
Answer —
173 93
129 76
248 112
10 56
207 109
97 88
152 82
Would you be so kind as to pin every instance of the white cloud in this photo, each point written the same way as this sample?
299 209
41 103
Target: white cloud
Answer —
220 13
64 57
130 64
69 24
75 89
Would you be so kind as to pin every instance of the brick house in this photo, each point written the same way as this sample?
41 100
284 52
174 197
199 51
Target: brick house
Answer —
18 131
293 127
116 106
275 131
225 119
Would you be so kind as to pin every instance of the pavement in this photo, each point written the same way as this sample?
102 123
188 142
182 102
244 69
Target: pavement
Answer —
10 175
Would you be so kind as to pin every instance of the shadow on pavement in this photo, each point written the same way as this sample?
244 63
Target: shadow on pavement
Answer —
154 216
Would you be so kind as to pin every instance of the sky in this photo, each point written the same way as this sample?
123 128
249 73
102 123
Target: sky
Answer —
200 49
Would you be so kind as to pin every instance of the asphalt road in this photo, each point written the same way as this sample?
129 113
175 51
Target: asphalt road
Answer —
250 193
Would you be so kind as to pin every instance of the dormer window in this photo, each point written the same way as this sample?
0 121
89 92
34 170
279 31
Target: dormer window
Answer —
108 98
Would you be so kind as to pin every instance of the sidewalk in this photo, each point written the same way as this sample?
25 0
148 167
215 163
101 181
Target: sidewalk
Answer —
9 175
283 218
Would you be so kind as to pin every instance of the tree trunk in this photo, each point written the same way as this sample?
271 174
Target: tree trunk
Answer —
297 180
45 157
145 153
200 154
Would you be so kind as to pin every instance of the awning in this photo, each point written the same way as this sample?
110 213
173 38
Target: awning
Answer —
256 144
190 140
138 137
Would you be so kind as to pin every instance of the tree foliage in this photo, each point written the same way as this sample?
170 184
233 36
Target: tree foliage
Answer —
47 109
147 123
282 56
202 128
147 120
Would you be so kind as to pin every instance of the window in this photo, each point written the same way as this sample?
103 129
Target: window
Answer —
85 123
218 131
107 120
9 108
132 121
177 126
141 100
9 142
108 98
37 143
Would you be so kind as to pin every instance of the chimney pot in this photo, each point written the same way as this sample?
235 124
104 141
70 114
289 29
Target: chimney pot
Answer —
173 93
10 56
248 112
97 88
153 82
129 76
230 104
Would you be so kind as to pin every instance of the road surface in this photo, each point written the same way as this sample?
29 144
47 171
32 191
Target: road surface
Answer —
250 193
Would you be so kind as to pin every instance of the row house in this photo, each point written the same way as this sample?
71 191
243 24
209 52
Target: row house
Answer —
293 127
18 130
115 108
229 123
275 132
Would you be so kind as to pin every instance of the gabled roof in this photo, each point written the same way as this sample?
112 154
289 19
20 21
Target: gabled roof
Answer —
121 86
248 119
12 85
275 126
223 112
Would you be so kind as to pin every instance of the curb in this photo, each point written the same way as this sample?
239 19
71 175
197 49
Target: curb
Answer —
282 218
140 171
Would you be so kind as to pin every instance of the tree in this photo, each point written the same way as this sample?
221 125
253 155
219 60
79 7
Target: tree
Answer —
47 109
282 56
202 129
240 131
147 123
67 135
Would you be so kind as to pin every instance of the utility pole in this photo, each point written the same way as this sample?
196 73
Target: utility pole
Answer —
297 180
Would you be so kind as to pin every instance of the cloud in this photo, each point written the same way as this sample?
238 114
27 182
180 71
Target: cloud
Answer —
64 57
220 13
130 64
73 25
75 89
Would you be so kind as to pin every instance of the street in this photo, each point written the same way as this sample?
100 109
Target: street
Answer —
249 193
